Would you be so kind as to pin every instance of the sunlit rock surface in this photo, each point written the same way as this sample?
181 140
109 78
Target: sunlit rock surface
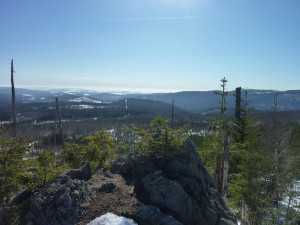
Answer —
181 187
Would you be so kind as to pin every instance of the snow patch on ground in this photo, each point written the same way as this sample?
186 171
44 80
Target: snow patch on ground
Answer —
295 198
111 132
198 133
112 219
5 122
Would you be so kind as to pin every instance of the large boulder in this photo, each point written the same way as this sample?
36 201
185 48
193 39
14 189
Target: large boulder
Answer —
179 185
83 173
151 215
62 201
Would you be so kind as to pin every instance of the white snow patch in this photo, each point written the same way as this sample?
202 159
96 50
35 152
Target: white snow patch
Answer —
31 97
70 92
84 99
5 122
82 107
44 122
112 219
295 200
198 133
210 111
111 132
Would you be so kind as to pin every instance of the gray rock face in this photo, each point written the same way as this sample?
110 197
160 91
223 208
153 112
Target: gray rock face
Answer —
83 173
60 202
180 186
151 215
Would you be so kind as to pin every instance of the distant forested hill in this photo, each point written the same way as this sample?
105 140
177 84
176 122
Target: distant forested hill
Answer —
191 101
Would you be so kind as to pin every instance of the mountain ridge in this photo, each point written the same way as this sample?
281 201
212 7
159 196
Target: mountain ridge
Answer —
191 101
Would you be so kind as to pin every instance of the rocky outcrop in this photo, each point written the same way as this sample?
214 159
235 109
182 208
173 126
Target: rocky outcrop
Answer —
179 185
151 215
173 190
62 201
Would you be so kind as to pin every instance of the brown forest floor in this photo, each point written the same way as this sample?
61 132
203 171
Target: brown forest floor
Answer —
121 201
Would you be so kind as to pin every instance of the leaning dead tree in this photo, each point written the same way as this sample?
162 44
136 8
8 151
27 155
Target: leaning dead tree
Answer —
58 116
14 116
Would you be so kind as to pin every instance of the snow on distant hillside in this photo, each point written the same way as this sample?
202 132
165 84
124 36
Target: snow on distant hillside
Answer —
84 99
30 97
70 92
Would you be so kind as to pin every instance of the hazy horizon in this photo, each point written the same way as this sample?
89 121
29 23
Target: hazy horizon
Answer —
128 91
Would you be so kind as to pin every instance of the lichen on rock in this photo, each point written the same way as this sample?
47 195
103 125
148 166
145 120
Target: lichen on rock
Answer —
61 201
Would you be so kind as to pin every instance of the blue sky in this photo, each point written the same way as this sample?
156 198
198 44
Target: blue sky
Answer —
151 45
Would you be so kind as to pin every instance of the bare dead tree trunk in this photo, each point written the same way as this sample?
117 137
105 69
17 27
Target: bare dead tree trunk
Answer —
225 166
59 122
222 161
238 103
55 131
14 117
276 157
172 116
218 172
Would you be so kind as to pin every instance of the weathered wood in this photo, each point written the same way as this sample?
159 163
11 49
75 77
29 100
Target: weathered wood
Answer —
218 172
225 165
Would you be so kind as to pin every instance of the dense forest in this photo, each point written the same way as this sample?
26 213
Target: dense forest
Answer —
253 155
